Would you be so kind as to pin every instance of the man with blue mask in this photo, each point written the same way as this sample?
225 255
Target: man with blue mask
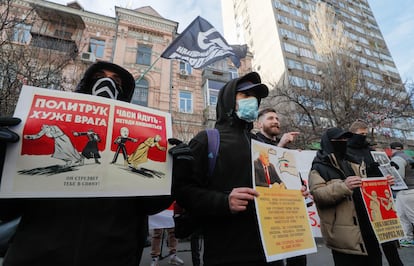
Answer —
222 202
248 98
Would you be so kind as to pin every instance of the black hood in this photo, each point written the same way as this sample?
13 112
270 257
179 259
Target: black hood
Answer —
128 82
358 142
325 154
326 148
226 102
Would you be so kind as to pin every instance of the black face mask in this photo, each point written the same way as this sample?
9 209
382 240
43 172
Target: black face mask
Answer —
339 148
105 87
358 140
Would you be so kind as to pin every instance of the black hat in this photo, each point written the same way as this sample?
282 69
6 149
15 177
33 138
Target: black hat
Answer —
396 145
252 81
338 133
128 82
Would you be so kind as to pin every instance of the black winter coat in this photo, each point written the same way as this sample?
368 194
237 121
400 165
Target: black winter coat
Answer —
229 238
79 232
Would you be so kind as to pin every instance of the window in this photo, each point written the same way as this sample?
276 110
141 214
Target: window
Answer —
309 68
186 102
233 73
367 73
97 47
185 68
144 55
293 64
297 81
213 91
291 48
140 96
306 52
21 33
299 25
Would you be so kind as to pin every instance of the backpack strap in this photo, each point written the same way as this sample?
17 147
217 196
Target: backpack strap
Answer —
213 137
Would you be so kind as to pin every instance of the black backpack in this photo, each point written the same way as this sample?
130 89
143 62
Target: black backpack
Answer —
185 224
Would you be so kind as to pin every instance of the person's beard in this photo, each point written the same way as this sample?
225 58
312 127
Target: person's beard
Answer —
272 130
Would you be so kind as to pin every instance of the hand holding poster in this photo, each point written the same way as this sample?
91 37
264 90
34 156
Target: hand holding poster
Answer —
71 144
281 210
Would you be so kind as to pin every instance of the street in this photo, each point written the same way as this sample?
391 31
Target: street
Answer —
322 258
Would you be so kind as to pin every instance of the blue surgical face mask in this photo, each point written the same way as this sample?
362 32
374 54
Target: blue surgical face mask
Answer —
248 109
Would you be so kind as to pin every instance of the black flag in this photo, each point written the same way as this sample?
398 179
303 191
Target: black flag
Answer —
200 44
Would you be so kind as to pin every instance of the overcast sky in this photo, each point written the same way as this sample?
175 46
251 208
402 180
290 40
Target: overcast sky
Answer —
395 18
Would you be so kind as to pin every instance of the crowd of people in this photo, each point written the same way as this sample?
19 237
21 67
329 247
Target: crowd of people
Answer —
112 231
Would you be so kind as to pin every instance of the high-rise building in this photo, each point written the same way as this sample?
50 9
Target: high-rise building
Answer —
277 33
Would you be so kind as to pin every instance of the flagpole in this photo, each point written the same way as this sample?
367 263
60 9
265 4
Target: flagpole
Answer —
147 70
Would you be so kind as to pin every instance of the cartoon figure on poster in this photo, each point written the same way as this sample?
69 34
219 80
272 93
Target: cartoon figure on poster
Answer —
265 171
374 205
120 141
140 156
380 204
388 201
91 148
63 150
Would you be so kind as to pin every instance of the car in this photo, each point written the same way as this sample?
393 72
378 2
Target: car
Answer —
7 230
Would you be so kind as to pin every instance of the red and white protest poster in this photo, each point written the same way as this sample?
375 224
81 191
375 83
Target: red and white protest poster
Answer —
77 145
381 210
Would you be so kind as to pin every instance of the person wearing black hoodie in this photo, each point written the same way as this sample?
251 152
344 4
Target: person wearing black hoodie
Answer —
223 202
334 182
359 147
83 231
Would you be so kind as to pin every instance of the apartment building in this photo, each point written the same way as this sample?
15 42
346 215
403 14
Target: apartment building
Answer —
278 35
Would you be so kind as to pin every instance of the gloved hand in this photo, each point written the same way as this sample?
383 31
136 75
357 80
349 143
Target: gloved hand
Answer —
181 150
6 135
395 165
182 163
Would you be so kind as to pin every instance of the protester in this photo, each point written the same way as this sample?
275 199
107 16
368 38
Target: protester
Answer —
157 238
269 126
405 198
83 231
359 147
223 202
334 181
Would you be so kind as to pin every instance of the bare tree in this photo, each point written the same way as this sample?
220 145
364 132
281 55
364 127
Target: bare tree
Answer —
328 34
34 50
185 126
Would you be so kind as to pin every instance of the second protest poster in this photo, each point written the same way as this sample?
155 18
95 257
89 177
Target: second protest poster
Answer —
281 209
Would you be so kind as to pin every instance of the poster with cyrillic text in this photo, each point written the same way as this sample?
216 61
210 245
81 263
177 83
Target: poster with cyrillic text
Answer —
78 145
281 209
381 209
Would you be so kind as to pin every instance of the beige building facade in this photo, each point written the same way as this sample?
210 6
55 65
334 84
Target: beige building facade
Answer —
134 39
